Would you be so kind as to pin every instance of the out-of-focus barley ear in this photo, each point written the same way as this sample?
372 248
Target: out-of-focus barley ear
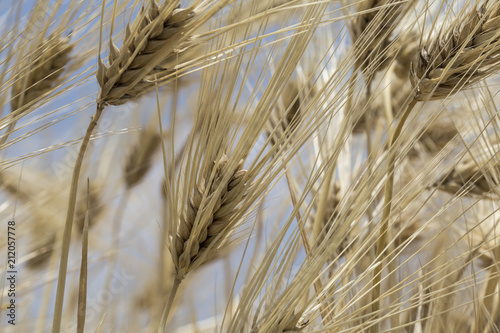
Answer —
96 207
42 72
286 116
469 177
320 226
37 76
463 53
287 324
140 156
151 50
371 31
434 138
405 49
41 250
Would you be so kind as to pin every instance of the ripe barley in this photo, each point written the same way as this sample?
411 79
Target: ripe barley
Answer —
140 157
463 53
371 30
207 216
153 46
42 73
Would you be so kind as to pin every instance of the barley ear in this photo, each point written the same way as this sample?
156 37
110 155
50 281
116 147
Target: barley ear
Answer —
464 53
39 77
139 158
157 36
205 220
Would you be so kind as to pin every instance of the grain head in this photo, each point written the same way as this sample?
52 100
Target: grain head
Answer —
371 30
41 74
151 47
286 116
208 215
140 157
462 54
471 177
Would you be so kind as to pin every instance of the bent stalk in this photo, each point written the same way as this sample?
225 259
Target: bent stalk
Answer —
63 266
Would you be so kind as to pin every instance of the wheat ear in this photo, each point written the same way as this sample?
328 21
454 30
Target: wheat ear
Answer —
208 213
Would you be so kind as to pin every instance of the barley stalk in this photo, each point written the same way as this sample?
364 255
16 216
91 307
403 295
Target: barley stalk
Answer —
82 290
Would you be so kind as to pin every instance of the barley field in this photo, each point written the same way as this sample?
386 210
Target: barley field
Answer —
250 166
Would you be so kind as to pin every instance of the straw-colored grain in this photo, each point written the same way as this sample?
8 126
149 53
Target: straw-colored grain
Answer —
469 178
42 72
140 157
151 46
218 202
462 54
371 30
286 115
